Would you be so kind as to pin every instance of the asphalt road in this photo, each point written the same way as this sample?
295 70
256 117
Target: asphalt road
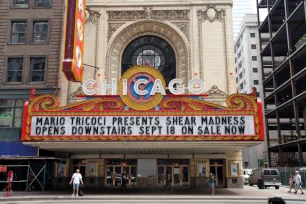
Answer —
139 201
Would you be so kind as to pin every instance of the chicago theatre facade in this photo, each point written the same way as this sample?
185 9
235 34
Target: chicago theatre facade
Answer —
143 130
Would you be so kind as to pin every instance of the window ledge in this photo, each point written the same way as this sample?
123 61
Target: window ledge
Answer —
36 83
13 83
16 43
11 7
42 7
39 43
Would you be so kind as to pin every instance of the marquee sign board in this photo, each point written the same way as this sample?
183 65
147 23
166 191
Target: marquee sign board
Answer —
143 117
74 40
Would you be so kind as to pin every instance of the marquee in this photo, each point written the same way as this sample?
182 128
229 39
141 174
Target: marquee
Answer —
143 117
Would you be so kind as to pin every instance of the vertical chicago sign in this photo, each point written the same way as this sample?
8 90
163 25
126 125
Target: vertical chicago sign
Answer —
74 40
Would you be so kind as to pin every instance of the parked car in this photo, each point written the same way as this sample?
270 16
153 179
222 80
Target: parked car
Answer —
246 175
271 177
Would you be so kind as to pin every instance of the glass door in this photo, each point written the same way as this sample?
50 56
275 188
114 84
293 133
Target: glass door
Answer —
109 174
185 173
220 176
161 175
176 176
179 175
169 172
217 170
117 170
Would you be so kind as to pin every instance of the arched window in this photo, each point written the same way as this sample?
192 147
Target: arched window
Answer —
151 51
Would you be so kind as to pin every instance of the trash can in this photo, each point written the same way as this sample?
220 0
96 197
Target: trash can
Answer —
261 183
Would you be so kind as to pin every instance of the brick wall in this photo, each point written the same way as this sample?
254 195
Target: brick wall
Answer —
51 49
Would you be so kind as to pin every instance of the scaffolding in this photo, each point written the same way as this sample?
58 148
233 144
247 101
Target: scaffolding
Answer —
29 181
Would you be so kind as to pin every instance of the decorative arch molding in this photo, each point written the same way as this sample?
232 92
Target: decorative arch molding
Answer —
123 36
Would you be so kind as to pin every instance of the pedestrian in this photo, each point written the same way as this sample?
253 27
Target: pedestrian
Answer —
291 182
76 179
123 181
298 182
168 181
276 200
10 176
211 181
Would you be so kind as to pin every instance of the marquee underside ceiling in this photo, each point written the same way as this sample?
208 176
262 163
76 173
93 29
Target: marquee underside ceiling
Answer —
197 147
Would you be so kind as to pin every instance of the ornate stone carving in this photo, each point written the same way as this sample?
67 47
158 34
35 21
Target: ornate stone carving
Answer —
92 16
141 28
184 27
216 92
211 14
112 27
149 13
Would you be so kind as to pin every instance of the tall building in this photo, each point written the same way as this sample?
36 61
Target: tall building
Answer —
249 76
30 49
240 8
247 57
284 81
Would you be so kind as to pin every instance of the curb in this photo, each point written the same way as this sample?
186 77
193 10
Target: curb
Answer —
125 198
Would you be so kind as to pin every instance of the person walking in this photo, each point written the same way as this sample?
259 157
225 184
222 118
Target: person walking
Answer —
123 181
10 176
291 182
298 182
168 181
76 179
212 180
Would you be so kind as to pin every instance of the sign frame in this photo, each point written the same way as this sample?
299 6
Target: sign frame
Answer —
174 105
72 66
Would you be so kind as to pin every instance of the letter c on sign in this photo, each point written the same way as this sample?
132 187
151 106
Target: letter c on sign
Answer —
136 87
85 87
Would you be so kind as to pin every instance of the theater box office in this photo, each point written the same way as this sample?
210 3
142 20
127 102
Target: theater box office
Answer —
146 135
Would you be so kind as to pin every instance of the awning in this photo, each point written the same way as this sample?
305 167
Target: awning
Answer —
188 147
16 149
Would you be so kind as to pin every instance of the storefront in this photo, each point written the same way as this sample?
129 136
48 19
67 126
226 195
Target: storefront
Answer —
146 135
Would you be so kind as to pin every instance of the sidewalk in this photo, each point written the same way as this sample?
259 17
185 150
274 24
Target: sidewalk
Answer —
248 193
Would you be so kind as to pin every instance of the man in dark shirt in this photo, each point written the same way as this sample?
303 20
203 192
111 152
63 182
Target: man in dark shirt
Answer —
123 180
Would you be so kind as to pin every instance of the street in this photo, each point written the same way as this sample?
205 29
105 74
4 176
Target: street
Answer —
151 201
249 194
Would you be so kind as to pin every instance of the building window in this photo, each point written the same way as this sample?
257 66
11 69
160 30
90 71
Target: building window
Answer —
150 51
20 3
257 94
40 31
11 113
14 69
236 70
241 86
42 3
256 82
237 80
255 70
254 58
38 67
252 35
253 46
18 35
